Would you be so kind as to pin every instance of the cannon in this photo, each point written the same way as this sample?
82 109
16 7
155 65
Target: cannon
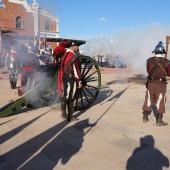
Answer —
84 97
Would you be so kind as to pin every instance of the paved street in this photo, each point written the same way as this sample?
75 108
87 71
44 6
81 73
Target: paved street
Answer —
110 135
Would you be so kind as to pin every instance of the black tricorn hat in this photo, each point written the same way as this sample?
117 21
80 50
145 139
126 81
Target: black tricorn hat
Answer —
74 43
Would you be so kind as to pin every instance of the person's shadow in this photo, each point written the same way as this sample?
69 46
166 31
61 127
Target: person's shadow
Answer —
62 147
147 156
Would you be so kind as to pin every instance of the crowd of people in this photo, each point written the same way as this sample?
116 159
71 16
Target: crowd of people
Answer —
109 61
65 56
101 60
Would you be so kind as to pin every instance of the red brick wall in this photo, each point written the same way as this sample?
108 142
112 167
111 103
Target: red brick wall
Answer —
43 20
53 27
8 17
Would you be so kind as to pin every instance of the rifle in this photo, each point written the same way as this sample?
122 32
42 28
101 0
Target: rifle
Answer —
151 72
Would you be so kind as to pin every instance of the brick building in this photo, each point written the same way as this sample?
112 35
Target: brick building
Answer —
18 19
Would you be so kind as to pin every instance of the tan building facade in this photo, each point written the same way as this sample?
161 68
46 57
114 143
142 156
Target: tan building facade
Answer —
26 21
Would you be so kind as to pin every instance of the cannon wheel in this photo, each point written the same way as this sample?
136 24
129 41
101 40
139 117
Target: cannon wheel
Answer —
91 81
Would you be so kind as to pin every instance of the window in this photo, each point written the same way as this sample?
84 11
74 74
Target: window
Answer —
18 22
47 25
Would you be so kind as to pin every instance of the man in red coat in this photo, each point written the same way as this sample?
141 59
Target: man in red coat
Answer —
69 74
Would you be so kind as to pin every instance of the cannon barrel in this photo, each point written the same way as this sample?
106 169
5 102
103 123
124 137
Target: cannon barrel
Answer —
15 35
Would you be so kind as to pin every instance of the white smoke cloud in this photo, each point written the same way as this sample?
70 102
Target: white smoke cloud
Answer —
134 45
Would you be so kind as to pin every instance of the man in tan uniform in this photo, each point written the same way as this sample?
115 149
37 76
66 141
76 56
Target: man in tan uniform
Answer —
157 85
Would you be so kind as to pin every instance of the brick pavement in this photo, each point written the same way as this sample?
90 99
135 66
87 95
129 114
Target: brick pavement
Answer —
110 135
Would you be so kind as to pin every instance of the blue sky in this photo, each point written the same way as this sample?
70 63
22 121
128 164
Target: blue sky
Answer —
92 18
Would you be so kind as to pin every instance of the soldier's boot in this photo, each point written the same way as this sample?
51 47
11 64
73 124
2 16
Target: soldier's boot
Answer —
15 84
70 117
12 85
145 116
159 121
63 110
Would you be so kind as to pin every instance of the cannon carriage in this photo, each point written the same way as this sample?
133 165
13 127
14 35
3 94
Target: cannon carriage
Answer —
44 90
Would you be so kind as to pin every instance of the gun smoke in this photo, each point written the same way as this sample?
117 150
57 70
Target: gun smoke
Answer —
134 46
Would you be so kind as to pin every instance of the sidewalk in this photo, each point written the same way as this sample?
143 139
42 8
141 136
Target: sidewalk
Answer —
110 135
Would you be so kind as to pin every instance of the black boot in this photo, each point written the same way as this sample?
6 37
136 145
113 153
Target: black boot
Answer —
70 113
12 85
63 110
145 116
159 121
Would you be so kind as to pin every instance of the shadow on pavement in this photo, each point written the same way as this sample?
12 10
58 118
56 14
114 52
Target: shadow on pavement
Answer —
147 157
13 132
114 97
6 122
45 150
